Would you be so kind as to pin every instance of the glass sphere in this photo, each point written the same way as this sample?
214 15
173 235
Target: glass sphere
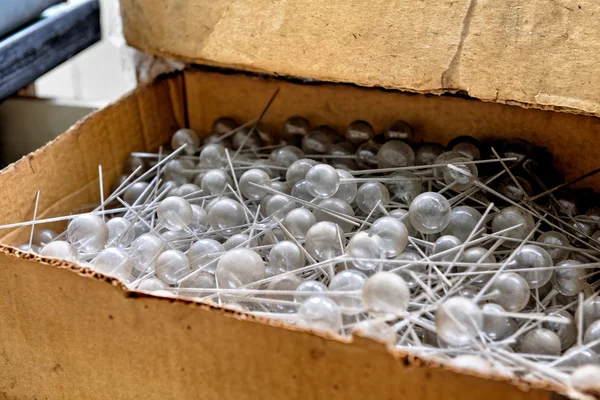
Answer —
88 233
591 311
403 268
144 250
298 221
510 217
320 313
286 156
429 212
532 256
510 189
199 219
395 153
592 334
458 321
462 174
369 195
319 140
285 256
567 333
224 125
175 240
585 378
255 176
174 213
60 249
569 281
279 205
152 285
43 236
140 228
226 214
366 155
203 253
29 249
511 291
245 139
215 182
444 158
171 266
347 190
176 170
474 255
120 232
187 137
300 190
285 283
189 191
348 281
398 130
323 181
324 240
359 132
405 187
115 262
540 341
297 171
339 207
239 267
131 164
402 215
386 292
497 326
445 243
294 128
200 280
343 156
281 186
427 153
393 234
463 219
315 288
368 246
468 150
213 156
237 240
577 356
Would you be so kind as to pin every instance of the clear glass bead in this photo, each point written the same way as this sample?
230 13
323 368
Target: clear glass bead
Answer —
298 222
458 321
386 292
60 249
203 253
174 213
320 313
189 138
395 153
429 212
366 247
393 234
215 182
88 233
120 232
533 257
322 181
254 176
285 256
324 240
509 217
463 219
239 267
225 214
371 194
348 281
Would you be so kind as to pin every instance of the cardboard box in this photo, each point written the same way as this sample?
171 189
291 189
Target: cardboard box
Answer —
66 332
536 53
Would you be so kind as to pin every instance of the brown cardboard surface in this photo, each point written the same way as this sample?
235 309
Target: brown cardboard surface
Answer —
63 335
538 53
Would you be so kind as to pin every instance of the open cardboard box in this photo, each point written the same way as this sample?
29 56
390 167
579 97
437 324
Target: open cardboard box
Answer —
66 332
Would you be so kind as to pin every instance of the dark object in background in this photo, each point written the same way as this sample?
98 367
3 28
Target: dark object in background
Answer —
31 52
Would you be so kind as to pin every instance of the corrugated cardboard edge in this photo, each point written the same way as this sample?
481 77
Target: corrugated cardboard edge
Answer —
541 54
357 340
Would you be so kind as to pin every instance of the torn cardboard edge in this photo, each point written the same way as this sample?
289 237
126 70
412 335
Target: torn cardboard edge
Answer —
155 67
358 338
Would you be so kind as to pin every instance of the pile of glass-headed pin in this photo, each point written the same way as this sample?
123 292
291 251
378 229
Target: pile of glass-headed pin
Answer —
461 254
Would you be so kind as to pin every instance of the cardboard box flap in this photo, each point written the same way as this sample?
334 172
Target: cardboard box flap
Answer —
540 53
